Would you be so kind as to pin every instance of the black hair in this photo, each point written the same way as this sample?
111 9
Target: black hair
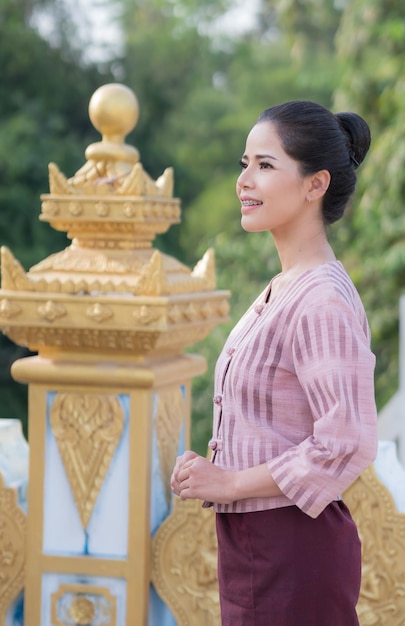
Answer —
320 140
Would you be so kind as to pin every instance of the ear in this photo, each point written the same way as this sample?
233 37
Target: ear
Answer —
318 184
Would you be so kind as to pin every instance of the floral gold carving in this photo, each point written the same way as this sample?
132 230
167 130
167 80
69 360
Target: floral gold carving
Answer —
174 314
87 428
133 210
51 311
75 208
382 532
147 315
50 208
9 309
12 548
83 605
136 342
102 209
191 312
206 310
99 313
169 419
184 564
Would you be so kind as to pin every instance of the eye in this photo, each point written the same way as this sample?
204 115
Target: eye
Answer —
242 164
265 165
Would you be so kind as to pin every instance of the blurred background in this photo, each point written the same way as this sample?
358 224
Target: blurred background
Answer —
203 72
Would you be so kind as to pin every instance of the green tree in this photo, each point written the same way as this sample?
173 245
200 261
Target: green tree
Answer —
371 46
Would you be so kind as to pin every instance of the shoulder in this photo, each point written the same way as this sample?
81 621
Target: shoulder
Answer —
328 295
327 285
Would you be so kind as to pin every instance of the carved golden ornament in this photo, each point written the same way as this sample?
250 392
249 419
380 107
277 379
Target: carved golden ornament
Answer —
83 270
82 610
152 281
145 315
207 310
82 261
154 220
50 208
75 208
184 564
136 182
382 532
111 209
133 210
51 311
99 313
102 209
205 269
174 314
170 416
191 312
87 428
83 605
112 166
136 342
9 309
12 273
12 548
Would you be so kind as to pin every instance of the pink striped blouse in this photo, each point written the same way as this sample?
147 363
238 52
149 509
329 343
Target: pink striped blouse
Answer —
294 388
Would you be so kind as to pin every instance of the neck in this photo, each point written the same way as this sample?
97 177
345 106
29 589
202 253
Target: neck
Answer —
304 250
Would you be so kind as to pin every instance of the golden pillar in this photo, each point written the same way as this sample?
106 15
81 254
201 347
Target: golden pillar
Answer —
109 391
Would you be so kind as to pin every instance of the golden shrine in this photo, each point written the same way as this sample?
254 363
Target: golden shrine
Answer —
110 388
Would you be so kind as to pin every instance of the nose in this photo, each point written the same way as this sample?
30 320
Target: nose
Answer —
244 179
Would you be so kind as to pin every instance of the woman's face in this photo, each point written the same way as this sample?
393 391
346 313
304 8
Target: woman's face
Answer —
272 191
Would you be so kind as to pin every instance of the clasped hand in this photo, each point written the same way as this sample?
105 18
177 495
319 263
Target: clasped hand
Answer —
195 477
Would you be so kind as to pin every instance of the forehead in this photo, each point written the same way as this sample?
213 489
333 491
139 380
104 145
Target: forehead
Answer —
264 138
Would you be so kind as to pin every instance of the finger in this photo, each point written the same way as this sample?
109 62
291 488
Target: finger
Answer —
183 475
188 456
178 466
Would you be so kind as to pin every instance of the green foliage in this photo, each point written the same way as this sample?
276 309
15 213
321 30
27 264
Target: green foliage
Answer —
309 25
371 47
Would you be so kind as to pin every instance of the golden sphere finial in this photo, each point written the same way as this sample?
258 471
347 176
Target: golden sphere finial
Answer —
114 111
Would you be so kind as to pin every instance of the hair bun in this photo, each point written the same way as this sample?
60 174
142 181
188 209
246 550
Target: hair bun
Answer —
358 136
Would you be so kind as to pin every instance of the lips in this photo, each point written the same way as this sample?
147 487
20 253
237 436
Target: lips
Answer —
249 203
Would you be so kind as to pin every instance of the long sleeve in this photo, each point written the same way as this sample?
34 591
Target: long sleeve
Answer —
335 368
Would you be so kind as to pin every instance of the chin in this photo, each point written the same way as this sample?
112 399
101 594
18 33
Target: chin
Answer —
251 228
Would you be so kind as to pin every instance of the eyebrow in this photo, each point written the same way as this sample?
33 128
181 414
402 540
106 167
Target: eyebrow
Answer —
261 156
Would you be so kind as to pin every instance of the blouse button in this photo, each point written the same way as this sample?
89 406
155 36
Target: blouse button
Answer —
230 351
218 399
259 308
215 444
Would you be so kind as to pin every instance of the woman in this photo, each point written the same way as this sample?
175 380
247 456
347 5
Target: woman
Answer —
294 410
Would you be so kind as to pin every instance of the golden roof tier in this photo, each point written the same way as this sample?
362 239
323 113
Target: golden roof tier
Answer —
110 290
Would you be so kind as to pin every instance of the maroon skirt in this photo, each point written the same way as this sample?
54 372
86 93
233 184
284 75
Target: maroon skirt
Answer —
283 568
